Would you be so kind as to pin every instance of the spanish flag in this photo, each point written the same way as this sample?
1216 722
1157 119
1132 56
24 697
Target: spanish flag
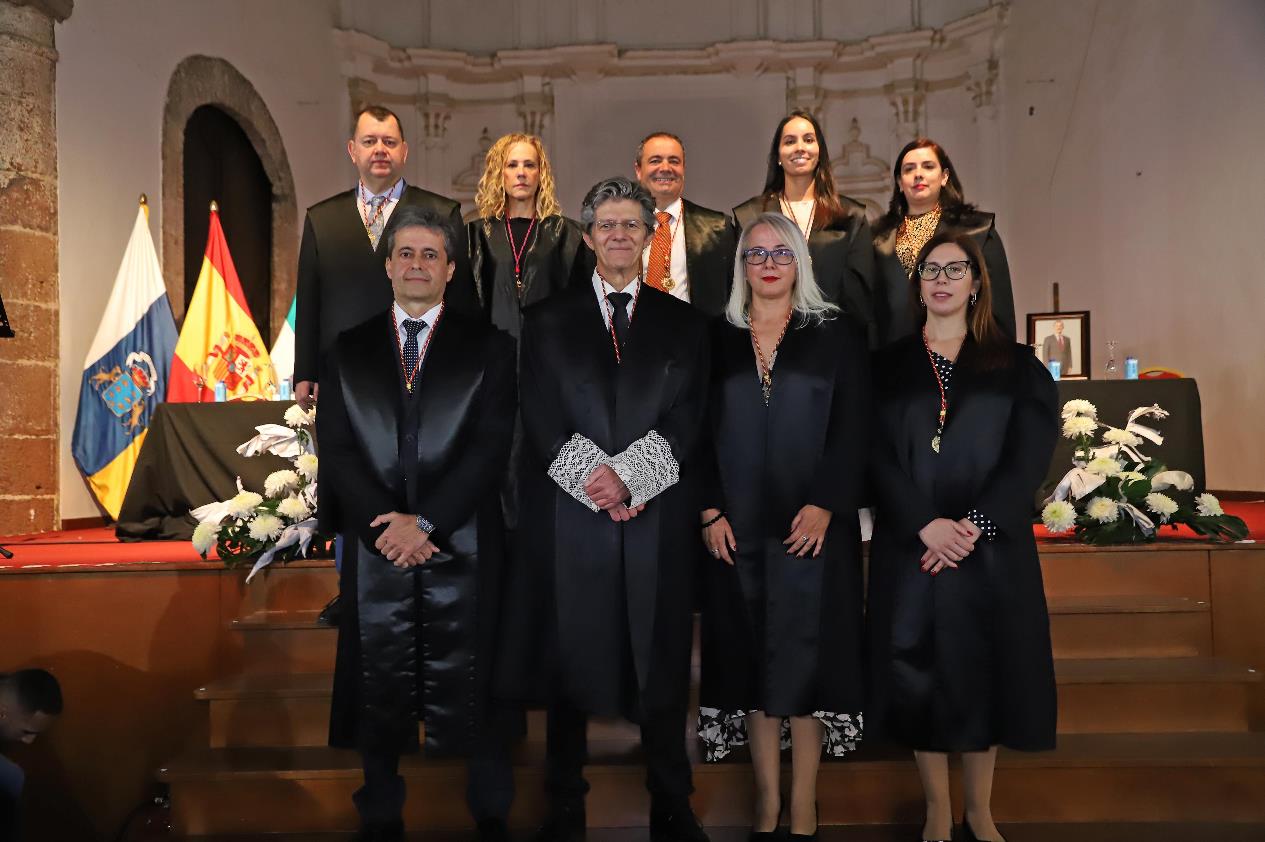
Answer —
219 341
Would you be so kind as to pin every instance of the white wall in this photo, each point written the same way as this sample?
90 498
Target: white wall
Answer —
1136 183
116 60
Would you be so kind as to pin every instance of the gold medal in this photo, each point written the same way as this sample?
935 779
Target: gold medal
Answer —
668 283
935 443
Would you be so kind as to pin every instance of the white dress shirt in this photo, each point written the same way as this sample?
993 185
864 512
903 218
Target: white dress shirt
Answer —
393 194
676 265
602 289
429 317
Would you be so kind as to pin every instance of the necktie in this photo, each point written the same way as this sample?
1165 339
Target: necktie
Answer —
412 327
659 265
377 218
619 315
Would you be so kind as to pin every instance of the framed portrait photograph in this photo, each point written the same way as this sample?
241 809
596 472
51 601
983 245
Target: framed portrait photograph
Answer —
1063 337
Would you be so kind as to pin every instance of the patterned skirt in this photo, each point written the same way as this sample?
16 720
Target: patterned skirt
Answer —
722 731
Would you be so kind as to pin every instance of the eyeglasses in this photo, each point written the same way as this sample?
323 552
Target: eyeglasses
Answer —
955 271
631 226
757 255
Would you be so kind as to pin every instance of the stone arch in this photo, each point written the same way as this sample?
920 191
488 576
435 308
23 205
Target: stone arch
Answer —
204 80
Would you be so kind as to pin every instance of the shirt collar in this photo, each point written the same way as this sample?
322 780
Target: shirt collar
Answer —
428 316
392 193
604 289
674 210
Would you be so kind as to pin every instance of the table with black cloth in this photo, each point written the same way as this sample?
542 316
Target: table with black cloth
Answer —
1183 448
189 459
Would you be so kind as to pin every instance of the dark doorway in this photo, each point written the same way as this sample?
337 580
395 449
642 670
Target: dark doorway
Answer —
220 164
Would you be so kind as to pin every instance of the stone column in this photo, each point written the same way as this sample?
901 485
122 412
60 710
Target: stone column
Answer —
30 439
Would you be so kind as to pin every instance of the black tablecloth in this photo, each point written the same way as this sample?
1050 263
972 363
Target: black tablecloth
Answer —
1183 448
189 459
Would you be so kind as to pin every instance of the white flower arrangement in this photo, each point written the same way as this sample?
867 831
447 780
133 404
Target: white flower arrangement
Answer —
1122 481
279 524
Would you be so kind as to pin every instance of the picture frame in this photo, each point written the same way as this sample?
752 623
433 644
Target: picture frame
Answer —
1072 351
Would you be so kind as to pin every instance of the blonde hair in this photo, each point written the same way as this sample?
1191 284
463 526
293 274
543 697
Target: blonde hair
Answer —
490 196
807 299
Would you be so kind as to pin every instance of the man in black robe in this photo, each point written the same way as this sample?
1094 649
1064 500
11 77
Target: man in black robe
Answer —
417 413
613 377
341 282
691 254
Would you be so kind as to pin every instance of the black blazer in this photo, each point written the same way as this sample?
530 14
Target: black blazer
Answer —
895 309
585 590
843 258
711 238
342 280
439 451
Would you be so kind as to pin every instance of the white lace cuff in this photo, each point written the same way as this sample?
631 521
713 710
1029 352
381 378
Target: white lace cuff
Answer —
573 465
647 467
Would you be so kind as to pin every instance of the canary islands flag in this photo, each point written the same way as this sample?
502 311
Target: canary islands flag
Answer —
283 350
218 340
125 373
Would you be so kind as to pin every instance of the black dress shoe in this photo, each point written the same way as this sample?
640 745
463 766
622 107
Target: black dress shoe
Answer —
678 824
330 613
806 837
493 830
563 823
968 835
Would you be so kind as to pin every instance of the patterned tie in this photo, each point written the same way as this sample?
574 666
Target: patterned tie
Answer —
619 316
412 327
377 218
659 265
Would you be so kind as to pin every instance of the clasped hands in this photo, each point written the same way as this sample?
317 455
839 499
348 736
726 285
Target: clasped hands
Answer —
808 532
402 543
608 492
947 542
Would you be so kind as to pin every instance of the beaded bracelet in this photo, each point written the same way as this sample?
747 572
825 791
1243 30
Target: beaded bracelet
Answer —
713 520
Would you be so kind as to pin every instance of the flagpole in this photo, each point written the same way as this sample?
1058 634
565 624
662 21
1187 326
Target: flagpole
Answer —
215 206
145 206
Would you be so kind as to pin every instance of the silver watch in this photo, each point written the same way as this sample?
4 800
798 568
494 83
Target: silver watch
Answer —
425 525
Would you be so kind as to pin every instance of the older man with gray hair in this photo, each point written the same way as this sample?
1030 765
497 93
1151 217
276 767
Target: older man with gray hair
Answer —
614 378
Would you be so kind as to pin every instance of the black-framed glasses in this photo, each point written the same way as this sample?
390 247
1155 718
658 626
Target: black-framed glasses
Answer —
955 271
632 226
757 255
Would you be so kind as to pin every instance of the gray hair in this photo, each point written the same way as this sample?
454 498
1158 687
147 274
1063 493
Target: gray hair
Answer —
615 189
412 216
806 297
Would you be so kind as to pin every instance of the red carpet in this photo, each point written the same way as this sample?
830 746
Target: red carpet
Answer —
98 548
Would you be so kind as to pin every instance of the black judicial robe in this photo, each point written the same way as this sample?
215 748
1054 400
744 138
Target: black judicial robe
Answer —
343 279
554 258
418 643
960 661
843 258
710 242
599 613
783 634
894 308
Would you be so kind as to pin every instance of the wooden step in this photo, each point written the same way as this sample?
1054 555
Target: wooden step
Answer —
1096 695
286 642
1130 627
295 586
1146 695
1098 778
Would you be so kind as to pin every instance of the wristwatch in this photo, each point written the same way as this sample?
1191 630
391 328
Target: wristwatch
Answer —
425 525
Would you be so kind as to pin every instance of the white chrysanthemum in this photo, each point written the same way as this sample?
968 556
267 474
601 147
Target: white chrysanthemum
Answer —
1162 505
1078 425
204 537
1114 435
306 465
1104 466
243 505
266 527
1131 476
294 508
1208 506
1058 516
280 482
296 417
1079 406
1103 509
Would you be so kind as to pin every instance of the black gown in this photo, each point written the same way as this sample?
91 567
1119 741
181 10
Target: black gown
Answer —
782 634
895 311
843 258
960 661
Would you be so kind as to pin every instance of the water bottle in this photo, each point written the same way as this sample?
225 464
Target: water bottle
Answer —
221 391
1130 368
285 393
1056 369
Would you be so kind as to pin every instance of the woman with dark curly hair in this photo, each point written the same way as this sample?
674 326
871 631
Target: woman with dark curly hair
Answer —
927 200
